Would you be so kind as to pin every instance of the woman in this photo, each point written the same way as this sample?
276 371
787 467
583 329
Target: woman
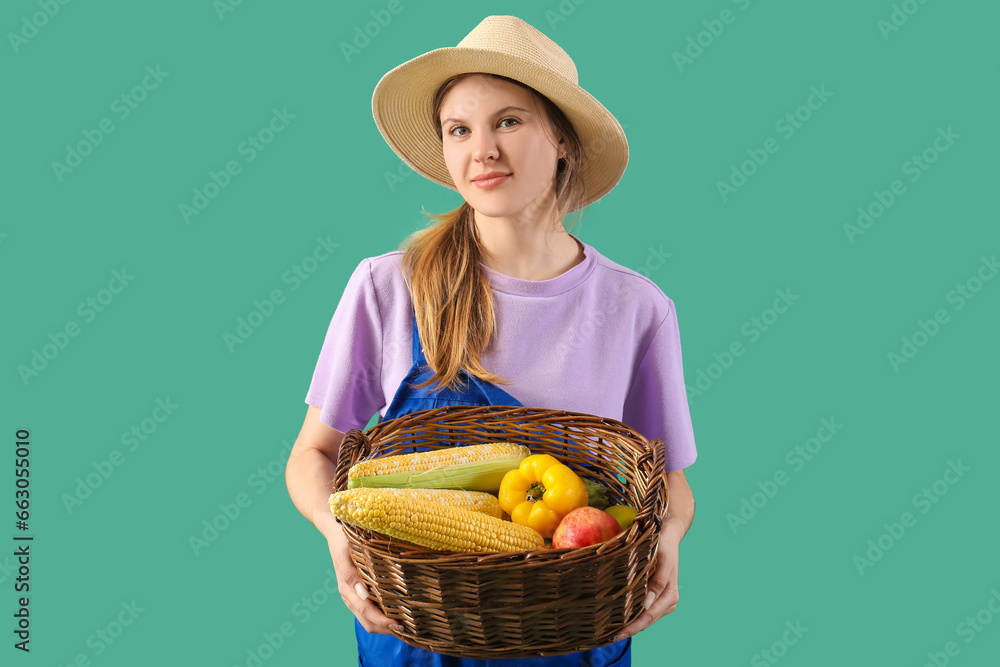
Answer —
497 293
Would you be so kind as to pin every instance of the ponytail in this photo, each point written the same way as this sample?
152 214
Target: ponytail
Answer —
451 296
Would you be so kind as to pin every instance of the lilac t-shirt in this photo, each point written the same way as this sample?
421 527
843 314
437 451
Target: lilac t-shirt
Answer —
599 339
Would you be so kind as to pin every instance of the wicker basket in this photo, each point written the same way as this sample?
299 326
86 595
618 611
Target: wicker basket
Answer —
528 603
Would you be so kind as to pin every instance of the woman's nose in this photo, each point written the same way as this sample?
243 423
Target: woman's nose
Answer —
485 147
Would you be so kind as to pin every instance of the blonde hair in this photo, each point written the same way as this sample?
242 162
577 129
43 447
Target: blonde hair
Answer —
451 296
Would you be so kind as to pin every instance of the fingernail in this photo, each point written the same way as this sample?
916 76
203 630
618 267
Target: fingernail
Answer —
620 636
361 591
396 628
649 600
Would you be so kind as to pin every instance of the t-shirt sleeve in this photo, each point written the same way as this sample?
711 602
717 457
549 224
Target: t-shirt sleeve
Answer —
346 382
657 405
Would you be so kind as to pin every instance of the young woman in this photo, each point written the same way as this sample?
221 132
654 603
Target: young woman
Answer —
497 304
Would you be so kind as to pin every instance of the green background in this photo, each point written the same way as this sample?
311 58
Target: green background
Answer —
325 175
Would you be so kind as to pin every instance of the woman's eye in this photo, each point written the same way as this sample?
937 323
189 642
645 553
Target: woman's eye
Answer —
462 127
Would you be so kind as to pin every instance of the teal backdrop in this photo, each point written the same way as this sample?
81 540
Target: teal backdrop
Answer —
813 184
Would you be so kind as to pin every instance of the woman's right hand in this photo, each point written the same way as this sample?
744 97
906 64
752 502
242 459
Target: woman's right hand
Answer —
352 588
309 474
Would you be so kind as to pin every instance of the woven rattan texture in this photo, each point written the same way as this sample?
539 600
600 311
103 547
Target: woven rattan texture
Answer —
528 603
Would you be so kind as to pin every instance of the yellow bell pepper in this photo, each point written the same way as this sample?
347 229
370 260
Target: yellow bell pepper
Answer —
540 492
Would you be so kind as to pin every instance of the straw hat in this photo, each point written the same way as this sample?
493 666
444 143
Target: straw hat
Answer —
403 101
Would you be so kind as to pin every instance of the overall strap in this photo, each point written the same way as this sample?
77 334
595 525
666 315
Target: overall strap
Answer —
418 353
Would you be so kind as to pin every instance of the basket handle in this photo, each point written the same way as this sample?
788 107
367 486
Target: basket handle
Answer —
354 447
655 499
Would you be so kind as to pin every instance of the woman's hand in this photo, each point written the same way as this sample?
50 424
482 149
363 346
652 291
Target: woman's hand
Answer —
309 475
662 592
352 588
662 595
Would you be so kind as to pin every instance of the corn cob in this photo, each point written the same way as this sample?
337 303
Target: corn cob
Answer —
429 524
477 501
473 468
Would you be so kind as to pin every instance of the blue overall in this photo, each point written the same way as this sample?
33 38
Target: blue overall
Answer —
378 650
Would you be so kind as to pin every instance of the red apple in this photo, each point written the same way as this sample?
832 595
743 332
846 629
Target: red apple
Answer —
584 526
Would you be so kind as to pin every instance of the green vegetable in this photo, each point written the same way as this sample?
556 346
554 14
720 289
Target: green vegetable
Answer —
597 494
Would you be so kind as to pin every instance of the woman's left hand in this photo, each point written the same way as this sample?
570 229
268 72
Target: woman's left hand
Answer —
662 595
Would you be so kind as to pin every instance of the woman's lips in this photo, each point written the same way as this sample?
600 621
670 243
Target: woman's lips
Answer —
490 182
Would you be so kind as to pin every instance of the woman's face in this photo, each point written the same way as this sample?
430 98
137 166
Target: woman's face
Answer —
493 125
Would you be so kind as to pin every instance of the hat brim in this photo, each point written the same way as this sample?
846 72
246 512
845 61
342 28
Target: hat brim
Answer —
402 106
